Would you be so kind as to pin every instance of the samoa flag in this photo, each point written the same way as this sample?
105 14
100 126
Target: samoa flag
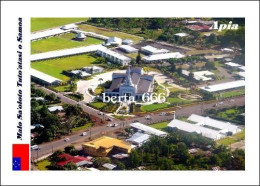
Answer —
20 157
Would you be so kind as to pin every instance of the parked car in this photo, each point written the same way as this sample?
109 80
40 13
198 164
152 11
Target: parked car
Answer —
109 119
162 114
115 125
110 125
84 134
35 147
66 139
100 113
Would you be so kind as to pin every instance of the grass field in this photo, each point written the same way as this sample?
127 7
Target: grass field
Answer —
200 52
54 67
63 41
42 164
160 126
178 100
232 139
87 125
62 88
233 93
109 33
98 105
153 107
44 23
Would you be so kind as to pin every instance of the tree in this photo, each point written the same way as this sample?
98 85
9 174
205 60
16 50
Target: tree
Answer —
134 159
70 166
179 70
191 76
55 156
71 150
51 97
173 67
138 57
181 152
73 110
210 65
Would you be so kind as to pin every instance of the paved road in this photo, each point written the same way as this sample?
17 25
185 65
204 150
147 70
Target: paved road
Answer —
50 147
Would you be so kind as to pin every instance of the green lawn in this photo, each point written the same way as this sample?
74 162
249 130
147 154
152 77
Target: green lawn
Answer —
98 105
42 164
54 67
109 33
178 100
87 125
62 88
160 126
61 42
153 107
233 93
44 23
226 141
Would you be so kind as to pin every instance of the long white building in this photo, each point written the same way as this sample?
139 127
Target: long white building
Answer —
159 57
44 78
224 86
147 129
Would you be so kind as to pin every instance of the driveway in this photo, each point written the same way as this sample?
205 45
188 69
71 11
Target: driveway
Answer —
84 85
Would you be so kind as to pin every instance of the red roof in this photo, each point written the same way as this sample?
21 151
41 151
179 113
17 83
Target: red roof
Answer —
73 159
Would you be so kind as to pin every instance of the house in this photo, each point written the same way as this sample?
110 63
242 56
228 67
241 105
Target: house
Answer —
148 130
128 49
200 75
38 98
224 86
109 166
102 146
80 73
150 50
233 66
55 109
139 138
80 36
127 42
120 156
198 27
93 69
227 50
113 57
132 83
78 160
113 41
43 78
160 57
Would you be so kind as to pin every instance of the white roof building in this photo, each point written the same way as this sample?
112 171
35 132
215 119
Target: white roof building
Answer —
158 57
38 98
113 41
223 127
128 49
227 50
45 78
109 166
139 138
55 108
127 42
147 129
47 33
200 75
93 69
231 64
113 56
80 35
152 50
65 52
224 86
241 74
69 26
181 34
188 127
242 68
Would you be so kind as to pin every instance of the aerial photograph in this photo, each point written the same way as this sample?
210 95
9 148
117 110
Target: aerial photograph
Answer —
137 94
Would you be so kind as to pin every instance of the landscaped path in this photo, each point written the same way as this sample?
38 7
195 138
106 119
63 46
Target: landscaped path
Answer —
84 85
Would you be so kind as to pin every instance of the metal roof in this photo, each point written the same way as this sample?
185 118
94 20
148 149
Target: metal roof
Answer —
139 138
224 86
44 77
148 129
163 56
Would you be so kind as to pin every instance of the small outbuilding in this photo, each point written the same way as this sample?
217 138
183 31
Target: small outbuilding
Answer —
80 37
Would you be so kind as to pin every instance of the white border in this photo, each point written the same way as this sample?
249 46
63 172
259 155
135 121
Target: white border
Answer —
10 11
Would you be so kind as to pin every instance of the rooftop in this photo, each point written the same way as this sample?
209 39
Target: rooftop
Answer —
224 86
233 64
154 50
148 129
163 56
45 77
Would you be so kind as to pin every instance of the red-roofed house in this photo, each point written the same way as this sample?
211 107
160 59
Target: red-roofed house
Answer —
78 160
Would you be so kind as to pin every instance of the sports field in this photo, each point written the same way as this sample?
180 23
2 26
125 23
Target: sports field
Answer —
55 67
44 23
109 33
63 41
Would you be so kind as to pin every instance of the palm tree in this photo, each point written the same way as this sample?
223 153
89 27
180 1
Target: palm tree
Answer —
100 80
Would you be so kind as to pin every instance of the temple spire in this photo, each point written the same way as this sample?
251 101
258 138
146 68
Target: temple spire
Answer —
128 80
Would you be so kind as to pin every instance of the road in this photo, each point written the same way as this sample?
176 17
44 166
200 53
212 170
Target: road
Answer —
49 147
